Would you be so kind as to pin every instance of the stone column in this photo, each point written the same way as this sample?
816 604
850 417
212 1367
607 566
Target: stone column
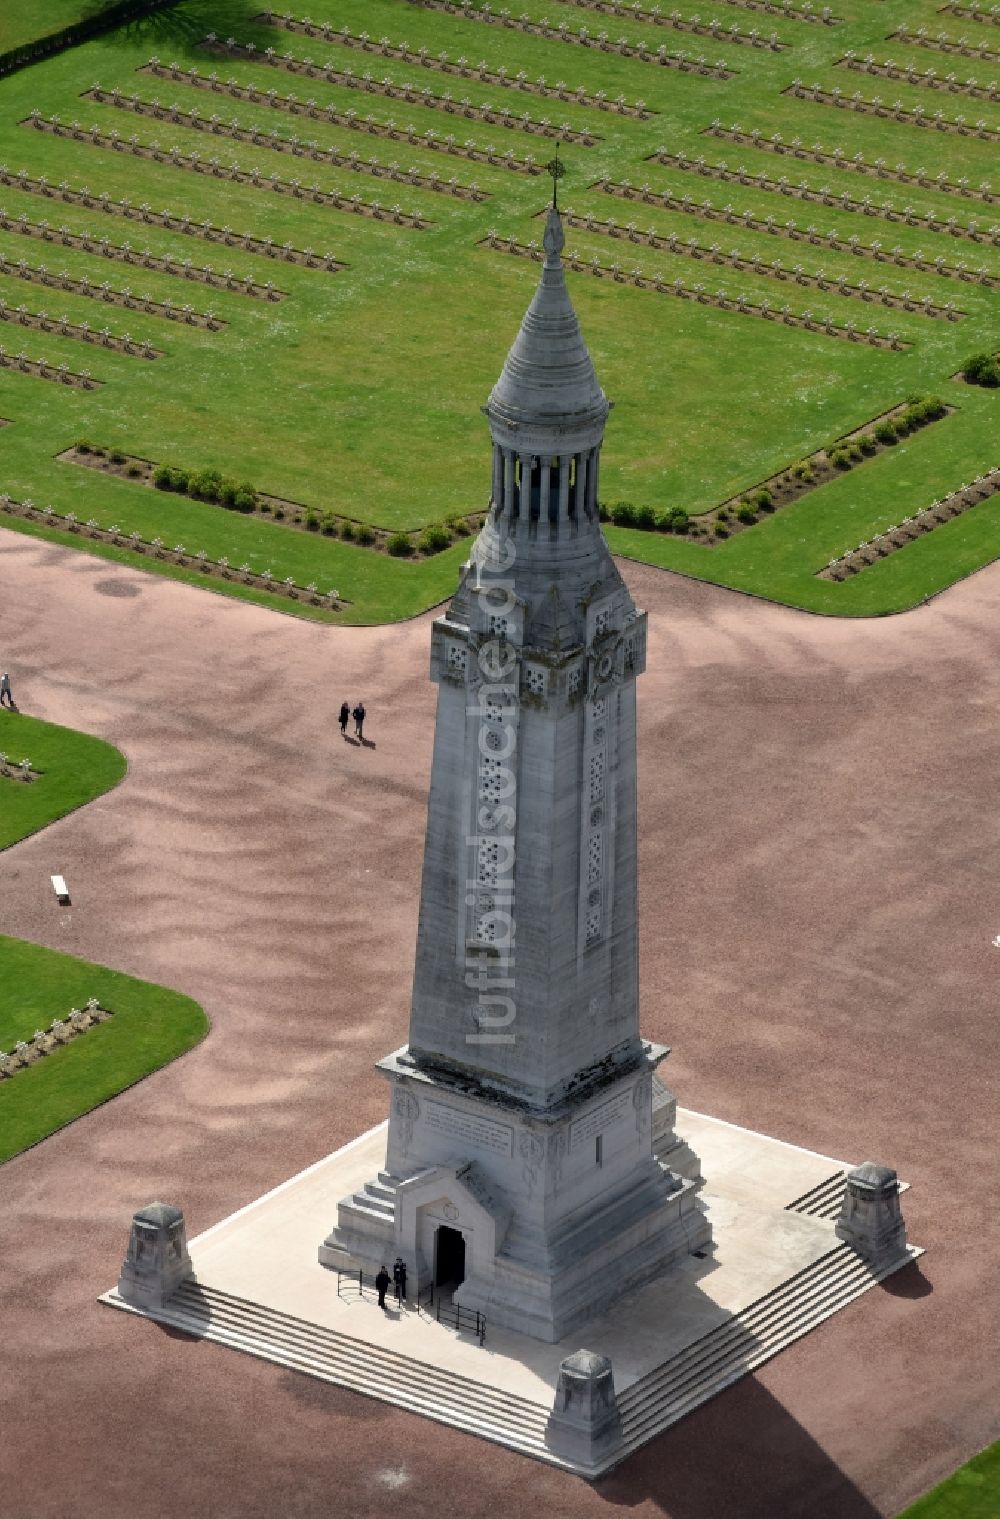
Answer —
497 478
525 486
593 474
584 1426
871 1221
157 1261
563 487
508 484
544 486
582 482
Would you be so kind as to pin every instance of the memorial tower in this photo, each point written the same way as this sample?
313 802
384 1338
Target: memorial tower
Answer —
531 1161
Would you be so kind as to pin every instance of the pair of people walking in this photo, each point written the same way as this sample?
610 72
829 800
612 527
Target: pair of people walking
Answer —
358 713
398 1278
6 699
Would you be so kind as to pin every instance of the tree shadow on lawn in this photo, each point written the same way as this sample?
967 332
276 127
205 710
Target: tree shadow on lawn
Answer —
187 24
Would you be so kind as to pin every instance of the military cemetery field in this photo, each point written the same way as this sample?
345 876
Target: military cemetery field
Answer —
50 1075
268 280
65 769
50 1080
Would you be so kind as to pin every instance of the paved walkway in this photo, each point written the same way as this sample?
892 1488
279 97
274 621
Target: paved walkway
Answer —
818 856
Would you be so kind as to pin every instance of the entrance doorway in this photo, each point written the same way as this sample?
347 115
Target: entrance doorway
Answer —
449 1257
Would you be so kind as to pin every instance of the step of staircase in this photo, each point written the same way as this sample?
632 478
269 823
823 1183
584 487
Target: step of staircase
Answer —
356 1364
823 1200
648 1407
744 1342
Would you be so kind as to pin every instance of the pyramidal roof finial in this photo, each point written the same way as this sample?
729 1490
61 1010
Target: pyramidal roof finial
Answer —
548 379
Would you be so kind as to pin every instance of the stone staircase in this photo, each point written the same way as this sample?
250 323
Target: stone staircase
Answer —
744 1342
377 1199
823 1200
357 1364
648 1406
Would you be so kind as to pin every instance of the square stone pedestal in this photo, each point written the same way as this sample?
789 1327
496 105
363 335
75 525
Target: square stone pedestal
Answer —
777 1270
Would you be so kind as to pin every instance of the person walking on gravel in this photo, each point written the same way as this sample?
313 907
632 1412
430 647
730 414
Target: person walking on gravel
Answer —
345 713
359 720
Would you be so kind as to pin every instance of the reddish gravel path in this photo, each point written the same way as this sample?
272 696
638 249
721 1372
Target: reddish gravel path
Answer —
819 843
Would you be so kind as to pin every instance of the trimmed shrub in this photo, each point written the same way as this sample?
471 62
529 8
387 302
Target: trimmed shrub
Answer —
885 433
227 492
723 514
763 500
680 520
458 527
179 480
623 514
82 446
279 511
433 540
205 485
721 530
312 520
839 459
399 545
347 531
745 513
365 535
246 499
645 518
134 471
163 478
116 456
867 444
982 369
329 525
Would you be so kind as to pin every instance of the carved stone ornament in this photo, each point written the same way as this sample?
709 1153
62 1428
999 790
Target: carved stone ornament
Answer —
407 1110
642 1102
531 1149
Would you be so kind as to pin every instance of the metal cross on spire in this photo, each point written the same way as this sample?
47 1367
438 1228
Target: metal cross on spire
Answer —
557 169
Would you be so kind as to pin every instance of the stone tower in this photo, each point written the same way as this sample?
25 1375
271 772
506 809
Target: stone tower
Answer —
531 1156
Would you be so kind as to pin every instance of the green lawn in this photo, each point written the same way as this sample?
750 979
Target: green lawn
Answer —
150 1026
360 391
24 21
74 769
972 1493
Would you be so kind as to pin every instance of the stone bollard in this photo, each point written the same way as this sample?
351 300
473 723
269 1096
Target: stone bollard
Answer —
157 1261
870 1218
584 1426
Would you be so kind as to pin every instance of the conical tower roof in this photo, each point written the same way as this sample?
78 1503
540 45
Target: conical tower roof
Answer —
548 397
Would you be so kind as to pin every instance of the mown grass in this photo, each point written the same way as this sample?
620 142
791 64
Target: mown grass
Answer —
972 1493
150 1026
74 769
360 392
24 21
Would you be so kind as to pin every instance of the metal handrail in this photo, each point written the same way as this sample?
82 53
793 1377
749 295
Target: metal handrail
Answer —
463 1319
453 1313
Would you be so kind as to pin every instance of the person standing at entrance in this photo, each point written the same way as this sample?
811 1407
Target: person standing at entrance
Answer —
5 694
399 1278
359 720
345 713
382 1285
